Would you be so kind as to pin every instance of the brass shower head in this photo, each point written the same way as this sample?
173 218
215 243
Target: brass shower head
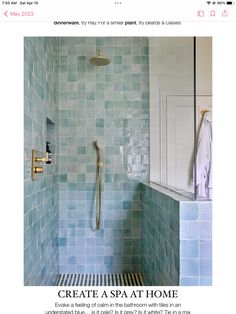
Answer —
100 59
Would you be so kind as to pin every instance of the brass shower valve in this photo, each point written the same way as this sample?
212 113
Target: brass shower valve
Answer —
38 169
40 159
35 169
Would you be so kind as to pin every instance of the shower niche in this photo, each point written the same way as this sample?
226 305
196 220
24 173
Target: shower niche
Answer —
50 140
40 158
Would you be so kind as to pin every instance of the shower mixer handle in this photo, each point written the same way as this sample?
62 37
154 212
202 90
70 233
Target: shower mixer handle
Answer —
38 169
35 169
40 159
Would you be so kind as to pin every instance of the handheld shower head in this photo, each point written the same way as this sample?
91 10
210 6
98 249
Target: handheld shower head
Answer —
96 145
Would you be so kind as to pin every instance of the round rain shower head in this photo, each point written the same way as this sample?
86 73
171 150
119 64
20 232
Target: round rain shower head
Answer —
100 60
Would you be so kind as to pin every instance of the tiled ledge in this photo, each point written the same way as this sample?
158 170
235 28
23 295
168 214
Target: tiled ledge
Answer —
168 192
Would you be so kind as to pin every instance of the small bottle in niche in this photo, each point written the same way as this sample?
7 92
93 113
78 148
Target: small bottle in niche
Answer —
48 154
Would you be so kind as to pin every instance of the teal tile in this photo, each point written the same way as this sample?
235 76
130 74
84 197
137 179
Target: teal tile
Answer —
63 178
81 150
100 123
117 60
91 96
127 205
136 60
144 59
81 60
72 77
81 178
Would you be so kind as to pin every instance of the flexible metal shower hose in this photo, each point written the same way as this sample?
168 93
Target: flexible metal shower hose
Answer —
98 200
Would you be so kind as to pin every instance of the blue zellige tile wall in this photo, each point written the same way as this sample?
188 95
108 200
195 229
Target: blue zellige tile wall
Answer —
196 243
164 236
41 215
111 105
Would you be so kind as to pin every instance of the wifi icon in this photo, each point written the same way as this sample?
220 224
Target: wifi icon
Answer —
208 2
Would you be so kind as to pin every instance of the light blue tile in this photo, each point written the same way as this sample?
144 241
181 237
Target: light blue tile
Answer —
189 267
62 241
189 249
205 267
189 230
205 211
72 260
205 249
205 230
205 281
188 210
189 281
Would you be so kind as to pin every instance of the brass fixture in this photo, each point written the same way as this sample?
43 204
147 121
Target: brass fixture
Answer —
100 60
204 110
40 159
35 169
99 187
38 169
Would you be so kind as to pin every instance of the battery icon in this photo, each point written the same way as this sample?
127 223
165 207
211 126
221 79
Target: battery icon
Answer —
229 2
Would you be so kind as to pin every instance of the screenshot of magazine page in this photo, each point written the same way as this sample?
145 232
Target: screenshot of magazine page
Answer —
117 157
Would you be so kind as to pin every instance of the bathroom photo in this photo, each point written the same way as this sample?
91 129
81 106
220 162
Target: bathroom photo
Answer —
118 161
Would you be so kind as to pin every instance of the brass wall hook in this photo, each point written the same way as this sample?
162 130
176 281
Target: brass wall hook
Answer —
204 110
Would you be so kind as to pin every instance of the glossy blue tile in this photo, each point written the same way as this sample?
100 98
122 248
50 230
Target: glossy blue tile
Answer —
72 260
205 267
189 267
205 211
189 281
189 230
189 249
205 249
205 230
189 211
205 281
62 241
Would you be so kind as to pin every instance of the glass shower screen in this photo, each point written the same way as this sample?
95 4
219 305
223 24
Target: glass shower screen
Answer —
180 86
